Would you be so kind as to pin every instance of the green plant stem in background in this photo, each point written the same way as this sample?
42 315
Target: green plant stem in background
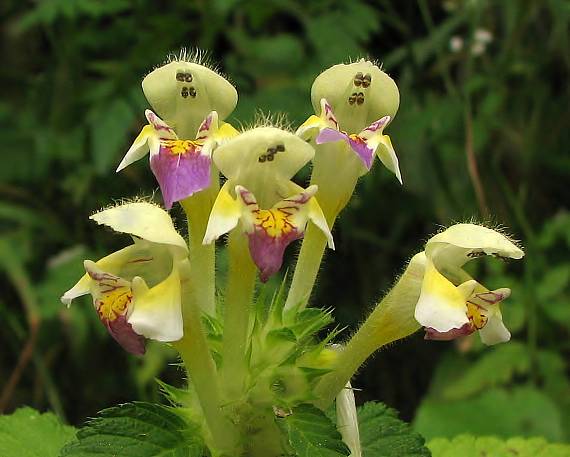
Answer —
202 257
391 320
195 353
237 302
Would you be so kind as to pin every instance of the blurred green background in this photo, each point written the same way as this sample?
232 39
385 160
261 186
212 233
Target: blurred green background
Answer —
482 133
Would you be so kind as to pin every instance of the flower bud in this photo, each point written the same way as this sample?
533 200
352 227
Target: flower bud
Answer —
183 93
359 93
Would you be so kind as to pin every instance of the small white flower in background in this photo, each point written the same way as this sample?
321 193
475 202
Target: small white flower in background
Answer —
481 39
456 43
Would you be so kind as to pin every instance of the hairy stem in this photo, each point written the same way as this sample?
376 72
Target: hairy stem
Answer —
195 353
307 269
202 257
237 304
391 320
335 191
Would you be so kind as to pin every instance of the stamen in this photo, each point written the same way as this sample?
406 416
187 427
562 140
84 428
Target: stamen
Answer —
358 79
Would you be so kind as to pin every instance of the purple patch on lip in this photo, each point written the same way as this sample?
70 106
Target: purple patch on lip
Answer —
357 144
267 251
464 330
124 334
180 175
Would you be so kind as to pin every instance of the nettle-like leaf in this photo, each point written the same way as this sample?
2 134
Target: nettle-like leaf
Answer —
470 446
137 430
311 433
382 434
27 433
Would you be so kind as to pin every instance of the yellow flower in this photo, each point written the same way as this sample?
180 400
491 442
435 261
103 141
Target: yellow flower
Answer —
137 290
453 304
274 211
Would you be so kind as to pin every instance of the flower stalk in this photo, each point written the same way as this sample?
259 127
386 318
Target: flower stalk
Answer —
391 320
201 369
237 304
203 257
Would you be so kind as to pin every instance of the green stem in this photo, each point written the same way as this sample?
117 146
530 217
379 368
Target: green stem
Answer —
202 257
333 195
237 303
195 353
393 319
307 269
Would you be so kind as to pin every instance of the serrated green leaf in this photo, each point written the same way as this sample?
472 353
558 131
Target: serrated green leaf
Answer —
281 335
470 446
311 320
137 430
382 434
312 434
27 433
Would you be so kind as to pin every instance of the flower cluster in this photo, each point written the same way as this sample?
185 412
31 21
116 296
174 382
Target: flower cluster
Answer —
160 287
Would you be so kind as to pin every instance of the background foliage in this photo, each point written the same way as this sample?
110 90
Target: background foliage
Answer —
482 131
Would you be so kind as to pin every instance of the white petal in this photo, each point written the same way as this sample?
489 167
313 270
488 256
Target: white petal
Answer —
225 215
208 126
139 148
144 220
318 218
441 305
495 331
347 420
461 242
157 312
387 156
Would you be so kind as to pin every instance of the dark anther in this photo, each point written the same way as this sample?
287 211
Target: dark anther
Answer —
184 92
262 158
475 254
270 157
184 77
192 92
271 150
352 98
280 148
366 80
360 98
358 79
